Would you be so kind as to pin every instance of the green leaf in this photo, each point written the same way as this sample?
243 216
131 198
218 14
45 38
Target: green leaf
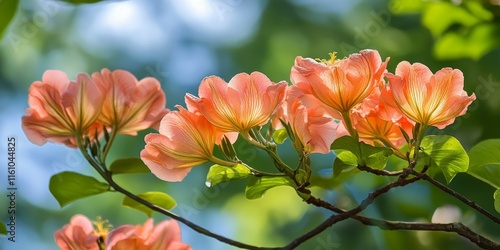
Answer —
67 187
437 23
3 229
346 143
129 166
219 173
445 153
484 162
157 198
475 43
344 162
8 9
280 135
406 7
374 157
496 196
257 186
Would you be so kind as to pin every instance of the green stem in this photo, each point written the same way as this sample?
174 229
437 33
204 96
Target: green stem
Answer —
253 170
420 131
395 149
108 145
282 167
348 124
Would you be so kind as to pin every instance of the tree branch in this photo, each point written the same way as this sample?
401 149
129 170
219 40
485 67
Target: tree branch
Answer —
457 195
350 213
458 227
380 172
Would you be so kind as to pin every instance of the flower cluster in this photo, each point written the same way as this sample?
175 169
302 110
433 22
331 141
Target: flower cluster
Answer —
62 111
80 234
326 100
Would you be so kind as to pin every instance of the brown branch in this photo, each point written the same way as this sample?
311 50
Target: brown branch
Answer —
458 227
380 172
457 195
349 213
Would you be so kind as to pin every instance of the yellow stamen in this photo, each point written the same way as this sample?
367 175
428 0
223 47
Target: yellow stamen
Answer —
102 227
330 61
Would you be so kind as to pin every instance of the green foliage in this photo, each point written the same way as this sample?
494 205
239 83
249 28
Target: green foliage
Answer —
257 186
467 30
496 196
374 157
344 163
485 162
478 41
67 187
8 9
157 198
443 153
219 173
455 14
129 166
280 135
406 7
3 229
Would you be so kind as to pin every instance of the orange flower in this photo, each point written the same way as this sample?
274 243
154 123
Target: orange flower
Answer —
243 103
341 84
79 234
60 109
431 100
164 236
186 139
313 127
130 105
378 123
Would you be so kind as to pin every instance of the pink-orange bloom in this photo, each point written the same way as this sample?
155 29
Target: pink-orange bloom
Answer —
79 234
186 139
243 103
376 122
314 129
60 109
341 84
164 236
426 98
130 105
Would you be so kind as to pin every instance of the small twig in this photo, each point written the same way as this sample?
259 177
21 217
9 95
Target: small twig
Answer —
457 195
379 172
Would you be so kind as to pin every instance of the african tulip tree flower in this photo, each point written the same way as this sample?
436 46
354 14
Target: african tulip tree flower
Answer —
185 139
79 234
130 105
309 119
60 109
164 236
376 122
315 131
243 103
426 98
341 84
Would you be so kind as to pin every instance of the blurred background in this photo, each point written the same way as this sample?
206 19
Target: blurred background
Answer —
181 42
